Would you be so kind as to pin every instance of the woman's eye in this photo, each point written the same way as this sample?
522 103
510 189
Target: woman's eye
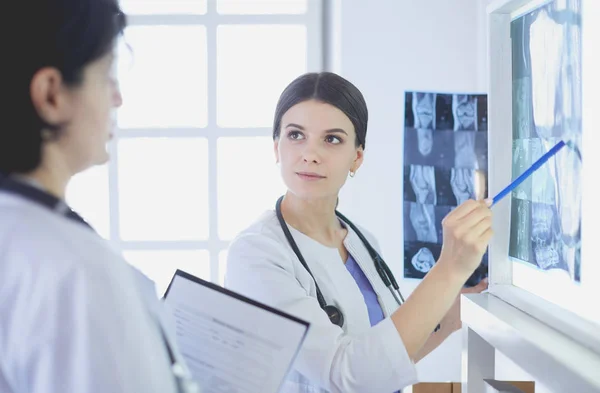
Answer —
296 135
333 139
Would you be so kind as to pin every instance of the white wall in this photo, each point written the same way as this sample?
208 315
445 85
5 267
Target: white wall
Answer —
482 44
386 48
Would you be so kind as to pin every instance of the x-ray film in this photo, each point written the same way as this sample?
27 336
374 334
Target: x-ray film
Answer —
445 164
545 230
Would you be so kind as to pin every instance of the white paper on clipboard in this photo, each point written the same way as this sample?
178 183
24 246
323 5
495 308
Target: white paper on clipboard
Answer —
231 343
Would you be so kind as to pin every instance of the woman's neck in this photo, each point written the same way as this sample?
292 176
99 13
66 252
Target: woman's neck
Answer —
52 175
315 218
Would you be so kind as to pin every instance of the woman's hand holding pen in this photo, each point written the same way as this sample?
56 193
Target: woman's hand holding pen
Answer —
467 231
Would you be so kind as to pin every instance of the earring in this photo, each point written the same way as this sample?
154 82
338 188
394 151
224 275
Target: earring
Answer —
352 173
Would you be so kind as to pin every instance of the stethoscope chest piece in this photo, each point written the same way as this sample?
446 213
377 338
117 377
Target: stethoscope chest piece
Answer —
334 314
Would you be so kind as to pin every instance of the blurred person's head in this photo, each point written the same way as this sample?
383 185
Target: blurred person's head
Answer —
60 84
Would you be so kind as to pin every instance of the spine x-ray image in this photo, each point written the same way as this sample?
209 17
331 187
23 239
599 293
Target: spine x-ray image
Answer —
445 164
546 209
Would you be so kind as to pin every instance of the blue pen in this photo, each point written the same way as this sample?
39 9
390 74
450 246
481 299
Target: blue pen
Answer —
536 165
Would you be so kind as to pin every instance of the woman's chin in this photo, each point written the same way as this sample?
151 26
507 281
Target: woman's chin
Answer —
99 159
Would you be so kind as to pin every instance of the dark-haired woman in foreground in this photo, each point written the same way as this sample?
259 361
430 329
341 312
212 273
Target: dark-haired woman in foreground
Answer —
360 340
74 317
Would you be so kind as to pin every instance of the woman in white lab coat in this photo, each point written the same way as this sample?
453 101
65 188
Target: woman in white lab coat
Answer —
74 317
319 138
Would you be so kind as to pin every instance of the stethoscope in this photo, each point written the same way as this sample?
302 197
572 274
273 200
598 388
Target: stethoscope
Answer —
335 315
30 192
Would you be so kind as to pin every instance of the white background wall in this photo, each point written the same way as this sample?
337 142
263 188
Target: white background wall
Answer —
388 47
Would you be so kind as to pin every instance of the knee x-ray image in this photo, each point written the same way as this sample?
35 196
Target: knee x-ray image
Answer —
423 260
463 184
422 180
445 164
424 222
464 109
546 210
419 258
424 146
465 154
423 105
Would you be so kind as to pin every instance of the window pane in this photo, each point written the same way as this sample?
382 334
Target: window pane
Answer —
253 7
248 182
87 194
145 7
222 267
160 265
164 78
254 65
163 189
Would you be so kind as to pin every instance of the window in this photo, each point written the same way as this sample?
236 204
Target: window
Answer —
192 161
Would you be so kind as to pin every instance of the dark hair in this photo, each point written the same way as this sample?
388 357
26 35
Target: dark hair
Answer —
331 89
64 34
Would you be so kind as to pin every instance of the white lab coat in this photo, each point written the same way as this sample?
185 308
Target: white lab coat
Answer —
358 358
74 316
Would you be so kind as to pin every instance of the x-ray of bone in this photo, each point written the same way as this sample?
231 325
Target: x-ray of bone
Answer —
425 146
464 110
423 105
465 155
445 163
546 45
545 237
422 218
521 160
423 260
522 109
542 182
419 258
424 141
463 184
421 223
424 222
422 180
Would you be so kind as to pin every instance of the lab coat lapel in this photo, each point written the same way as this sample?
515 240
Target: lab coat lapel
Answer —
334 280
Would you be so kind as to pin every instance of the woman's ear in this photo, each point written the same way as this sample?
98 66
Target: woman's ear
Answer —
358 160
48 95
276 150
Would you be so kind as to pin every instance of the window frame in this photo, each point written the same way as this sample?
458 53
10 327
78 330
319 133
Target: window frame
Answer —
312 19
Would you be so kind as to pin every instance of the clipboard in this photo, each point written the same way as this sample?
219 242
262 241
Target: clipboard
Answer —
232 343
